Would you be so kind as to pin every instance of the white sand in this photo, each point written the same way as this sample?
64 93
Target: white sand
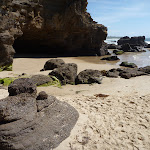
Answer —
118 122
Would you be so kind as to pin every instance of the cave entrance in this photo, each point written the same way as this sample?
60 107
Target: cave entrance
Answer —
35 49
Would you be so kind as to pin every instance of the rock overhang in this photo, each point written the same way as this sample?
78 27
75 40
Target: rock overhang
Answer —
61 26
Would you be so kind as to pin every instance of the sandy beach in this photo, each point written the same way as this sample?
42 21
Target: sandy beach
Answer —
120 121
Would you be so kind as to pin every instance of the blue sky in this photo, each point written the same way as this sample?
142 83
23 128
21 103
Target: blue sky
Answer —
122 17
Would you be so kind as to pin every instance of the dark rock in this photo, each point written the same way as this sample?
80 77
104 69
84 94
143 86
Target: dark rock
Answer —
113 46
40 79
128 73
42 70
112 58
30 124
42 96
127 64
138 48
53 63
24 74
148 46
118 52
89 76
14 108
22 85
127 48
113 73
66 74
103 50
51 27
137 41
6 50
145 69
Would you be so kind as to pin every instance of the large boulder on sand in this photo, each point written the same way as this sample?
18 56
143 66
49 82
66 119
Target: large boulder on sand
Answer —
22 85
66 74
53 63
89 76
113 73
30 124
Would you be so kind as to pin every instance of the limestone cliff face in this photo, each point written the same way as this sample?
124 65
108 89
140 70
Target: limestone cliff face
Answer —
61 26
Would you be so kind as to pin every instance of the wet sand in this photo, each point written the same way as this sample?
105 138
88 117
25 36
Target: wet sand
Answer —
119 121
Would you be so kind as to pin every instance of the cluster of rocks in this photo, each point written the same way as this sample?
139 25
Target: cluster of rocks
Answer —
33 122
67 73
128 73
48 26
127 44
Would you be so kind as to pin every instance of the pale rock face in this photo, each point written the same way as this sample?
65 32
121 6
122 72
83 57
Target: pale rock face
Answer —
56 26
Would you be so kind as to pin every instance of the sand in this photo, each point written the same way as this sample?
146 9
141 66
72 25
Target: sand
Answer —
120 121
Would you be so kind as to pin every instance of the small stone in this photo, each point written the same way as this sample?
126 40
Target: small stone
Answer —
42 96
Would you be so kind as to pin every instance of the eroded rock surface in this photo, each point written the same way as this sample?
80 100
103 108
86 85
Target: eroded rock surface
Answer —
30 124
66 74
60 27
89 76
136 41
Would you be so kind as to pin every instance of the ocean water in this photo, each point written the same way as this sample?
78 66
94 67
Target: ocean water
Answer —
141 59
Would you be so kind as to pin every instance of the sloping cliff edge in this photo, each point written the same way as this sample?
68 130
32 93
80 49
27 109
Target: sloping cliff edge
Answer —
59 26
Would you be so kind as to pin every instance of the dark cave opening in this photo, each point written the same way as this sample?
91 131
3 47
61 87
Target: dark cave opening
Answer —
35 49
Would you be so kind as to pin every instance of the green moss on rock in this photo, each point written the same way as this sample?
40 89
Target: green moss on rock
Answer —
6 68
118 52
54 82
7 81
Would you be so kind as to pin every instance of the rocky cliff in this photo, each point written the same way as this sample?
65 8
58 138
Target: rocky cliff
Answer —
49 26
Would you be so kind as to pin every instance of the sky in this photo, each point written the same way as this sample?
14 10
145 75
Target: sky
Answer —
122 17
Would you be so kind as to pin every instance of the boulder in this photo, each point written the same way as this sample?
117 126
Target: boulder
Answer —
113 73
138 48
127 48
22 85
66 74
136 41
89 76
40 79
53 63
103 50
127 64
112 58
113 46
145 69
30 124
128 73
